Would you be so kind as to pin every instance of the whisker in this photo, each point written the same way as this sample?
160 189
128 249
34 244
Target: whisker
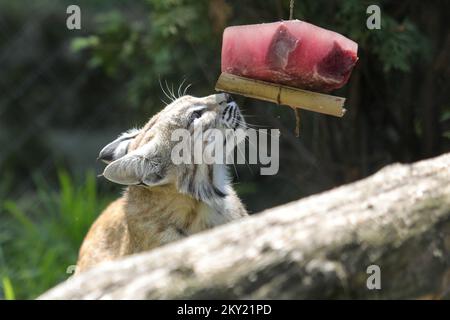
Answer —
164 101
234 166
173 94
164 91
245 160
169 92
237 147
247 126
235 170
250 142
251 115
244 124
266 133
186 89
250 126
256 125
180 86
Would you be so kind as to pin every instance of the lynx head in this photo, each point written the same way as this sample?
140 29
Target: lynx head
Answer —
143 156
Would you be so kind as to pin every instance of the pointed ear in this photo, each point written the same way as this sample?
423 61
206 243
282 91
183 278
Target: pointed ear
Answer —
118 148
140 167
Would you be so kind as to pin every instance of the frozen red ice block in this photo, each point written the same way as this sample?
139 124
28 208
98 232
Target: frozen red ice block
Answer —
293 53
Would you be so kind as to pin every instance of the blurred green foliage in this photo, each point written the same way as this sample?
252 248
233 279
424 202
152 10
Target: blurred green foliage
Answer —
179 39
38 244
174 41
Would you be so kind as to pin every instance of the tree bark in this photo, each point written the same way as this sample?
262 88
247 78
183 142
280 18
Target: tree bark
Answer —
317 247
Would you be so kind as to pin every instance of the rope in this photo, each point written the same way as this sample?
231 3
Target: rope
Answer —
291 10
297 111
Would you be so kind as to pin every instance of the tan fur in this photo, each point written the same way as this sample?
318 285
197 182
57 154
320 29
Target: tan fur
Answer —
147 217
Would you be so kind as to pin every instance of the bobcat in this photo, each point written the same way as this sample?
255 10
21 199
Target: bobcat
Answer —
163 202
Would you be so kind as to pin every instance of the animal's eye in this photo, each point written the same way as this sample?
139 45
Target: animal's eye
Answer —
195 115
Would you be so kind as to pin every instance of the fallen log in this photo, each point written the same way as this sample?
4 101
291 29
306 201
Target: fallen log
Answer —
397 220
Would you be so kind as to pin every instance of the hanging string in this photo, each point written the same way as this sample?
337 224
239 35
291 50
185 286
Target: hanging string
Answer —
296 110
291 10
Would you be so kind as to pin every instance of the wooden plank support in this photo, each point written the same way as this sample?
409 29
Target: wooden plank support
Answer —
280 94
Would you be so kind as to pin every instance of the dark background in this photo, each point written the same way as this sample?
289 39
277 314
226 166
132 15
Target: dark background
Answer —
65 93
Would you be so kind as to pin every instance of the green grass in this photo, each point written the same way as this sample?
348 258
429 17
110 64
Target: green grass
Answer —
39 240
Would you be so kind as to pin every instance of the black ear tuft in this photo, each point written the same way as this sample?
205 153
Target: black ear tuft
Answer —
118 148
